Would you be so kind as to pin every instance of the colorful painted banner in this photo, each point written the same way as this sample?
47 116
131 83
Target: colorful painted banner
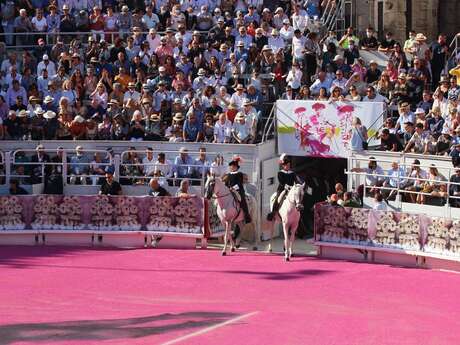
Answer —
323 129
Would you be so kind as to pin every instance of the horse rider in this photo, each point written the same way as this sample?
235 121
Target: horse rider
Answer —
286 179
234 180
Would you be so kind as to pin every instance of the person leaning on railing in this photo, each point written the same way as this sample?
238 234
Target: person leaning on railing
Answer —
109 185
374 177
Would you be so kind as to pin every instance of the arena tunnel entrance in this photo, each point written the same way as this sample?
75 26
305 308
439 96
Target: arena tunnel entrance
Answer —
320 175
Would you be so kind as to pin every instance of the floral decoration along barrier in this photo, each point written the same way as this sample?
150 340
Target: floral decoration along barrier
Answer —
103 213
387 229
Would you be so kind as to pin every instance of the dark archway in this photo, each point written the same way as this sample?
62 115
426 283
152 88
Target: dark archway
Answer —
320 175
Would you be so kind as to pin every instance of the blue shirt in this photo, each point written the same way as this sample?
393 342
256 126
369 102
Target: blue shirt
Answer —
191 130
183 167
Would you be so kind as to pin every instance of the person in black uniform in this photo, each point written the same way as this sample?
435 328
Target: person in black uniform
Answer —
110 186
286 177
234 179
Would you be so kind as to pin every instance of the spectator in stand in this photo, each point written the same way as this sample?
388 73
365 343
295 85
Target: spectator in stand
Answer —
156 189
389 141
79 167
369 42
434 187
374 177
379 204
387 45
454 188
183 164
109 185
16 189
416 180
396 179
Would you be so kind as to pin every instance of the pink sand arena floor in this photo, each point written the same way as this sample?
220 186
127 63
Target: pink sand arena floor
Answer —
149 296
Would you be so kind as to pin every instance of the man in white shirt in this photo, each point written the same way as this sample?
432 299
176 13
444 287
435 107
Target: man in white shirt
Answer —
275 42
241 130
222 129
321 82
150 19
287 31
163 166
339 81
299 18
47 64
239 96
149 163
298 46
396 179
154 40
131 93
372 96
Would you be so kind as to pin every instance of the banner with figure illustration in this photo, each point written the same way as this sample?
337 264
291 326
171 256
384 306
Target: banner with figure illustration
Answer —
323 129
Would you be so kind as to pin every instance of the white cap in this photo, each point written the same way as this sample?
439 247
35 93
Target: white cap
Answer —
45 57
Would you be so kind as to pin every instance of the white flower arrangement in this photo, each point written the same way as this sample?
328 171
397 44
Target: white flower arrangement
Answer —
11 213
46 213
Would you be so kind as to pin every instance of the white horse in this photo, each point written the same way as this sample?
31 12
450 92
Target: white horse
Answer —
289 215
228 210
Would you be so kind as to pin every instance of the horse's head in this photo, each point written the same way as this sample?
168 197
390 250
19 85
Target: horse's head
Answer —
209 186
297 192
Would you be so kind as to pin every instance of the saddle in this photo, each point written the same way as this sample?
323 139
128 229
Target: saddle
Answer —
236 195
279 200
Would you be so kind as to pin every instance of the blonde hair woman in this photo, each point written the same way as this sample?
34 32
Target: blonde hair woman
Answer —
100 94
358 135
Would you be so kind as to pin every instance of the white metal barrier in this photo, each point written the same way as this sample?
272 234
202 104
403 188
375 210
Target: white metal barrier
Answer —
442 196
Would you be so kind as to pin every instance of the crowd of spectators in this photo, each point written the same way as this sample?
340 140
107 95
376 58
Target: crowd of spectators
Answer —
188 71
183 71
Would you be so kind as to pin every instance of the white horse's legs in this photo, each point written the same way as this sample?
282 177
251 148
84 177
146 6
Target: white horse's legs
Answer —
291 241
272 231
227 233
286 241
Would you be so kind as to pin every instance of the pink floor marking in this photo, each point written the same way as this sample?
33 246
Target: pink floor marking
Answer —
59 295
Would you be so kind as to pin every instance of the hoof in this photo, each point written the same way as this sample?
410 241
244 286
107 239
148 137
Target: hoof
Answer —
254 248
269 250
286 259
224 253
233 249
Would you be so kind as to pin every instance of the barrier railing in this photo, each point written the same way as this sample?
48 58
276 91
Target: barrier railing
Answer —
68 168
403 181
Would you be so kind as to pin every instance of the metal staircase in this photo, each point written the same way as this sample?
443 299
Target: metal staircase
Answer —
333 17
454 49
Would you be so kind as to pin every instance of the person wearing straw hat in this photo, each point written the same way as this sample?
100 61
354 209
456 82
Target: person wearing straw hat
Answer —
241 130
286 178
37 124
131 93
51 125
421 48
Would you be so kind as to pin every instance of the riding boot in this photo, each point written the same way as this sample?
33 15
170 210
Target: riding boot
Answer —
275 207
244 207
272 214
